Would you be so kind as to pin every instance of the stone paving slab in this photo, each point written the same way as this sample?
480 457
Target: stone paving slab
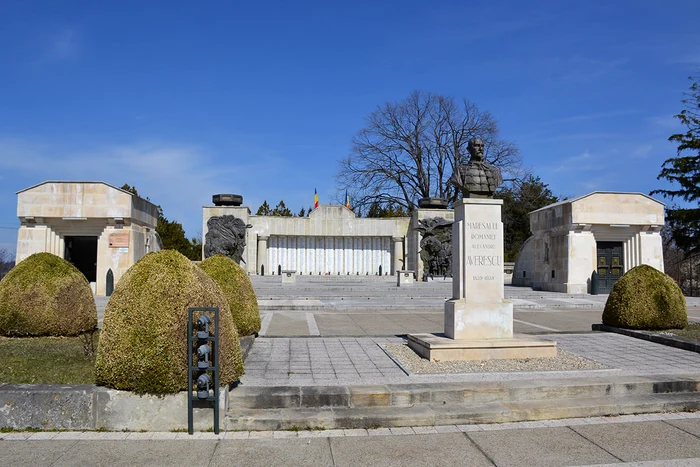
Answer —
449 449
672 440
539 446
629 442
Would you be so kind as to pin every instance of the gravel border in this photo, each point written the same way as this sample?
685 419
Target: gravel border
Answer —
411 362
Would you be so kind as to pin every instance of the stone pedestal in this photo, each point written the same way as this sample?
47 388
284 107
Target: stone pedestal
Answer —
478 309
404 278
478 320
289 277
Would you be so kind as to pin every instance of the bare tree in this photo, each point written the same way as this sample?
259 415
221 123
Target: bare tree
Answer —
409 149
7 261
684 268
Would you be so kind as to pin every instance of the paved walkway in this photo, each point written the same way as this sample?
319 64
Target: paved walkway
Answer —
361 360
640 440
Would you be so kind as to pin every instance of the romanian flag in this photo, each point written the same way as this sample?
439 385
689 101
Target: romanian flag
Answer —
347 199
315 199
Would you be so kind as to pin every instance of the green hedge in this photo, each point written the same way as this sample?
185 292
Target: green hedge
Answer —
646 298
144 335
45 295
238 290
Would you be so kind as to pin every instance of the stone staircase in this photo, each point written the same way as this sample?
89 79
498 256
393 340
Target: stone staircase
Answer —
421 404
380 293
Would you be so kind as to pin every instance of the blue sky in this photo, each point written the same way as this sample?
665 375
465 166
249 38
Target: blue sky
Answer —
187 99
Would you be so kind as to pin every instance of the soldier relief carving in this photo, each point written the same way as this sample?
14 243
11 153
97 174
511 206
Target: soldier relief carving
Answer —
436 246
225 236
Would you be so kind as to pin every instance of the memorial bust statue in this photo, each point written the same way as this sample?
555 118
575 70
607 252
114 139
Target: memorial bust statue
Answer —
477 178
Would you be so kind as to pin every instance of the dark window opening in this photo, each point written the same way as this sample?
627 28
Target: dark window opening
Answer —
82 253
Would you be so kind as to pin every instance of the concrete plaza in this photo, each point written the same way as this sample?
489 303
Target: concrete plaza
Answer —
323 335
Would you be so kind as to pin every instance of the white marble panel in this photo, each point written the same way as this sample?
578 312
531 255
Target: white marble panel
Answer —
311 255
376 255
301 255
320 262
349 265
366 255
357 255
283 253
329 255
386 255
272 254
339 264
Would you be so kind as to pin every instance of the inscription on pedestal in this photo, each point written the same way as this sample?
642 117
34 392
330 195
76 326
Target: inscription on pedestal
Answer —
483 259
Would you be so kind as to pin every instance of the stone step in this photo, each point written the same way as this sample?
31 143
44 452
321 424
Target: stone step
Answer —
456 414
368 306
409 395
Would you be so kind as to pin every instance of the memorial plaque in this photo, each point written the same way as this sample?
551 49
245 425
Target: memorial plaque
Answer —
119 240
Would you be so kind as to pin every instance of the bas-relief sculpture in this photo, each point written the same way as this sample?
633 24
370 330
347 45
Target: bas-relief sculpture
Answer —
436 246
477 178
225 236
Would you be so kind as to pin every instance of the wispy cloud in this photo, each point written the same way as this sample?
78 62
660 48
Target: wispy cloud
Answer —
643 151
590 117
665 123
688 59
62 45
179 177
577 163
577 136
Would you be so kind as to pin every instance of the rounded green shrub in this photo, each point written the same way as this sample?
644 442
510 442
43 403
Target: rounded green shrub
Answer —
238 290
45 295
143 343
646 298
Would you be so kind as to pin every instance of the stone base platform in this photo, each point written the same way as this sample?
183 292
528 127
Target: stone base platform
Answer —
438 348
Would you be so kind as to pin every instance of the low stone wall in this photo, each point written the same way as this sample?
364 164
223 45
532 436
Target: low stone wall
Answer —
90 407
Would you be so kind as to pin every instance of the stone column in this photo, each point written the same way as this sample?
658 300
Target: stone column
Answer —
398 259
262 254
478 309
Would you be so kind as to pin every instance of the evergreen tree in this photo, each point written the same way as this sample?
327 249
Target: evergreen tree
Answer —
518 201
389 210
281 210
683 171
171 233
264 210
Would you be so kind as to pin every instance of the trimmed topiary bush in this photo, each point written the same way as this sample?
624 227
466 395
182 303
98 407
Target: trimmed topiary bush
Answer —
238 290
646 298
143 343
45 295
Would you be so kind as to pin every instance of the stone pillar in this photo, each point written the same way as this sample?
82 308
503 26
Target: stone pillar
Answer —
478 309
398 259
262 254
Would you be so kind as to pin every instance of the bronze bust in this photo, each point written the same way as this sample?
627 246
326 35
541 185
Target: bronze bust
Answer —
477 178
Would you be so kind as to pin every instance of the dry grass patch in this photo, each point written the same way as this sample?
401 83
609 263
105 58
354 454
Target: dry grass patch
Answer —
45 360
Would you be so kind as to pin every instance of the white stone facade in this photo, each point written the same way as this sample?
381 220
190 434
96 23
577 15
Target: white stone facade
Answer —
565 247
331 240
53 214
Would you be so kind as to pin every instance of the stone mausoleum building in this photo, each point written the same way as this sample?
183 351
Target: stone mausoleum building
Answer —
607 232
101 229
